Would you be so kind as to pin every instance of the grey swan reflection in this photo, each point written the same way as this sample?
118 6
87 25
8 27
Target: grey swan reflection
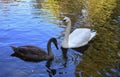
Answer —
33 53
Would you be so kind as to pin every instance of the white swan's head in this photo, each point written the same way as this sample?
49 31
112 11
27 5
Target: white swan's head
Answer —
66 19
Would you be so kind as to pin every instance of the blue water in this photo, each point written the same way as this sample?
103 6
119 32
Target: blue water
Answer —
21 23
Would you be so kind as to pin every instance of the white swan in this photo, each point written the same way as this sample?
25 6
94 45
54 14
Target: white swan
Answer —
78 38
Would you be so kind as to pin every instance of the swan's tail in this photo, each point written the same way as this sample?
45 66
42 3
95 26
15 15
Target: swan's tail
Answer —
93 33
14 48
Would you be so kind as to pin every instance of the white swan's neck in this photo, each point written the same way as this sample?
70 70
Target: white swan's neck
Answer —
66 37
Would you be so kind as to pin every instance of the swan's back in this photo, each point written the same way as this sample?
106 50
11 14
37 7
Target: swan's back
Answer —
30 53
32 50
79 37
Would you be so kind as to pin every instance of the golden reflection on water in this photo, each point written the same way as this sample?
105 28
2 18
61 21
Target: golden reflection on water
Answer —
51 5
102 53
61 8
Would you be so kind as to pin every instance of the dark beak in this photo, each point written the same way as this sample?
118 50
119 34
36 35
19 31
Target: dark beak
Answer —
56 44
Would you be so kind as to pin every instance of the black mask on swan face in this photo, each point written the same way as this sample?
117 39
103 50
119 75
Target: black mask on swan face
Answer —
66 19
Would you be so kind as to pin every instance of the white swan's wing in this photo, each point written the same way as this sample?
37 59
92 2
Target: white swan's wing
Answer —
79 37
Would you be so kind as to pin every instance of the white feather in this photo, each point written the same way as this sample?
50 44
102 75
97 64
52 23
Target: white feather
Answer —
79 37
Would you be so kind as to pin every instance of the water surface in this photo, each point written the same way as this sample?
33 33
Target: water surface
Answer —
27 22
34 22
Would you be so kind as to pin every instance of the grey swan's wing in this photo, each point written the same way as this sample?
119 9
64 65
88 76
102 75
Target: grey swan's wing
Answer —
32 53
29 53
33 50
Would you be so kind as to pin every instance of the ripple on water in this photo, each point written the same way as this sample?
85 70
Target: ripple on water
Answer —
61 67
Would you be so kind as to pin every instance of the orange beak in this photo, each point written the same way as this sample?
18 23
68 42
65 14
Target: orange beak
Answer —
62 24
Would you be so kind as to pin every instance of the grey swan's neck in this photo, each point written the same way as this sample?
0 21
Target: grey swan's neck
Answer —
67 32
50 53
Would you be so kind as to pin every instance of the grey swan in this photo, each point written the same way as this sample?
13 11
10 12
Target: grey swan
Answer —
33 53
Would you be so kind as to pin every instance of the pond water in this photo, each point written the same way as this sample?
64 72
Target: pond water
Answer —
34 22
26 22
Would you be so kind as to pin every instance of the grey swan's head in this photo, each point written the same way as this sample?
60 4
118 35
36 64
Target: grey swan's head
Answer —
33 53
50 53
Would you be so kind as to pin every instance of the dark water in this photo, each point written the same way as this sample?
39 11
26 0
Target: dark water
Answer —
24 23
